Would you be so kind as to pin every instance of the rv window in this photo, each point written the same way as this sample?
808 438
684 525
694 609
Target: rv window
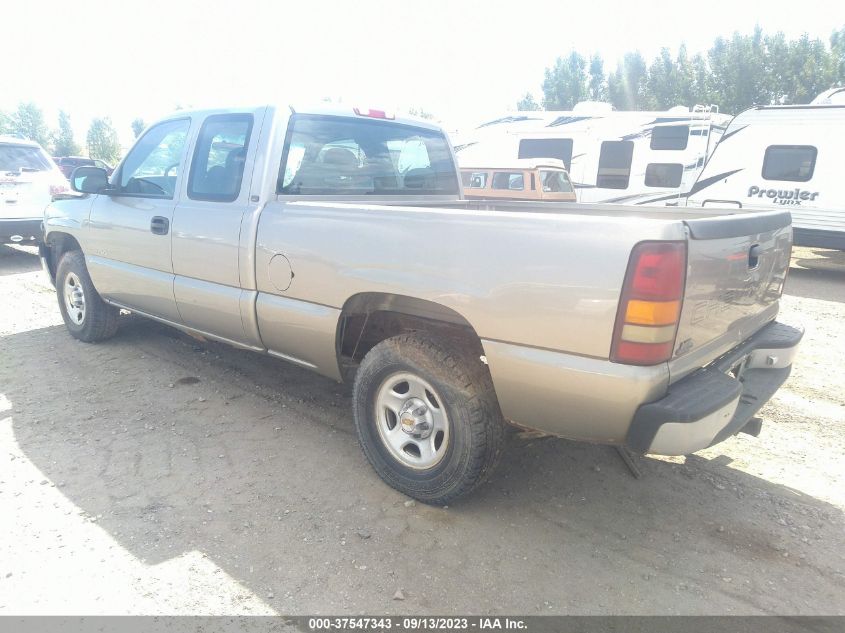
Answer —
664 175
789 162
615 164
670 137
508 180
560 148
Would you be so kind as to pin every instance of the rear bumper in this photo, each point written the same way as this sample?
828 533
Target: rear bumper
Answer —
716 402
25 228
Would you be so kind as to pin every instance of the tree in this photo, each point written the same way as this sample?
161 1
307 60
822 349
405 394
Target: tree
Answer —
28 122
735 73
837 53
627 87
565 83
739 74
102 140
138 126
596 88
5 122
701 90
63 142
810 70
528 103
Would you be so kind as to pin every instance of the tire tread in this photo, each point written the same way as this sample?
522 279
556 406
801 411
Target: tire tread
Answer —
451 360
101 319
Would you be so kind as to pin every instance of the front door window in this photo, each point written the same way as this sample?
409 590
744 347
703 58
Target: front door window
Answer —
152 167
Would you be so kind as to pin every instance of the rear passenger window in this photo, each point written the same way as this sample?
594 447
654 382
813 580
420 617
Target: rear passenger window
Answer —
560 148
615 164
789 162
664 175
218 166
670 137
509 180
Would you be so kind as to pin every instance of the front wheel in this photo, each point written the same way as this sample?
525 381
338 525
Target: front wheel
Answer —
427 417
87 317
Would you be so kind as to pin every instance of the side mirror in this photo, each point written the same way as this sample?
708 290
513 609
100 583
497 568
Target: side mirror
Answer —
87 179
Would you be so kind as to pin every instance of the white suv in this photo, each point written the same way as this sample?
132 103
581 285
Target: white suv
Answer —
28 180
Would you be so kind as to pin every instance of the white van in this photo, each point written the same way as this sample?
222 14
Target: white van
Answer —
782 157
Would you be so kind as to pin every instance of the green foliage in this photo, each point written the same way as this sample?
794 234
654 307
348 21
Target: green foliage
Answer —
735 73
63 142
627 87
138 126
671 81
565 83
28 121
596 88
837 55
102 140
528 103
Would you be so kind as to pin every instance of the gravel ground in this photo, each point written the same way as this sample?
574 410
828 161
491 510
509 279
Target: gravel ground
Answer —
157 474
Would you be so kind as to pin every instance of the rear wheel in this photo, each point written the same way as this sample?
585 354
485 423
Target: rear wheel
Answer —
85 314
427 417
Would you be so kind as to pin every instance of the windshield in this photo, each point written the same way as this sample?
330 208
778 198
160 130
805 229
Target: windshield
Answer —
555 181
330 155
23 157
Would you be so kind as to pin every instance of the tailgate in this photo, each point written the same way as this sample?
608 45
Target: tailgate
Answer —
23 196
736 268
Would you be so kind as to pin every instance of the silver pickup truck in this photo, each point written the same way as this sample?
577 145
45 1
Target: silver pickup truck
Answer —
338 240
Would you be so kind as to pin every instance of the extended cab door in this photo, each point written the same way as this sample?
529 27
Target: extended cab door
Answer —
207 228
128 252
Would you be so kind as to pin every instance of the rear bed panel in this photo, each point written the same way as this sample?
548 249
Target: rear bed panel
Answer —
736 269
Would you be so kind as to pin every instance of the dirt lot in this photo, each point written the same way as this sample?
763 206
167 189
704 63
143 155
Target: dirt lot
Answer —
157 474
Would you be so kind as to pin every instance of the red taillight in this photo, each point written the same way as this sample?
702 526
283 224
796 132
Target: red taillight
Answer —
373 114
659 271
650 304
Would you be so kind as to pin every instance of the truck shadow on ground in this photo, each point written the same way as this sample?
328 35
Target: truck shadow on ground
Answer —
817 274
174 445
14 261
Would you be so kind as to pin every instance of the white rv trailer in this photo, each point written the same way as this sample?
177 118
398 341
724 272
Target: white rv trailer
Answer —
784 157
612 156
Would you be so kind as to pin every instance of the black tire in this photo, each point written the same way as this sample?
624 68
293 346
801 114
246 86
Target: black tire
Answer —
98 321
465 389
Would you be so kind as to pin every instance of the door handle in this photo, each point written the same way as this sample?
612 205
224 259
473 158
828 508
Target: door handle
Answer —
754 257
159 225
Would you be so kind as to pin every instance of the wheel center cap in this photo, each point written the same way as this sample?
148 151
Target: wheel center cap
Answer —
412 417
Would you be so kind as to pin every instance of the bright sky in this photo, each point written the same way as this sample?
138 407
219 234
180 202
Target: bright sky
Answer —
464 61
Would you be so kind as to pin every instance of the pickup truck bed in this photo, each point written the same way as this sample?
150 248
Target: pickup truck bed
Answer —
646 327
544 329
